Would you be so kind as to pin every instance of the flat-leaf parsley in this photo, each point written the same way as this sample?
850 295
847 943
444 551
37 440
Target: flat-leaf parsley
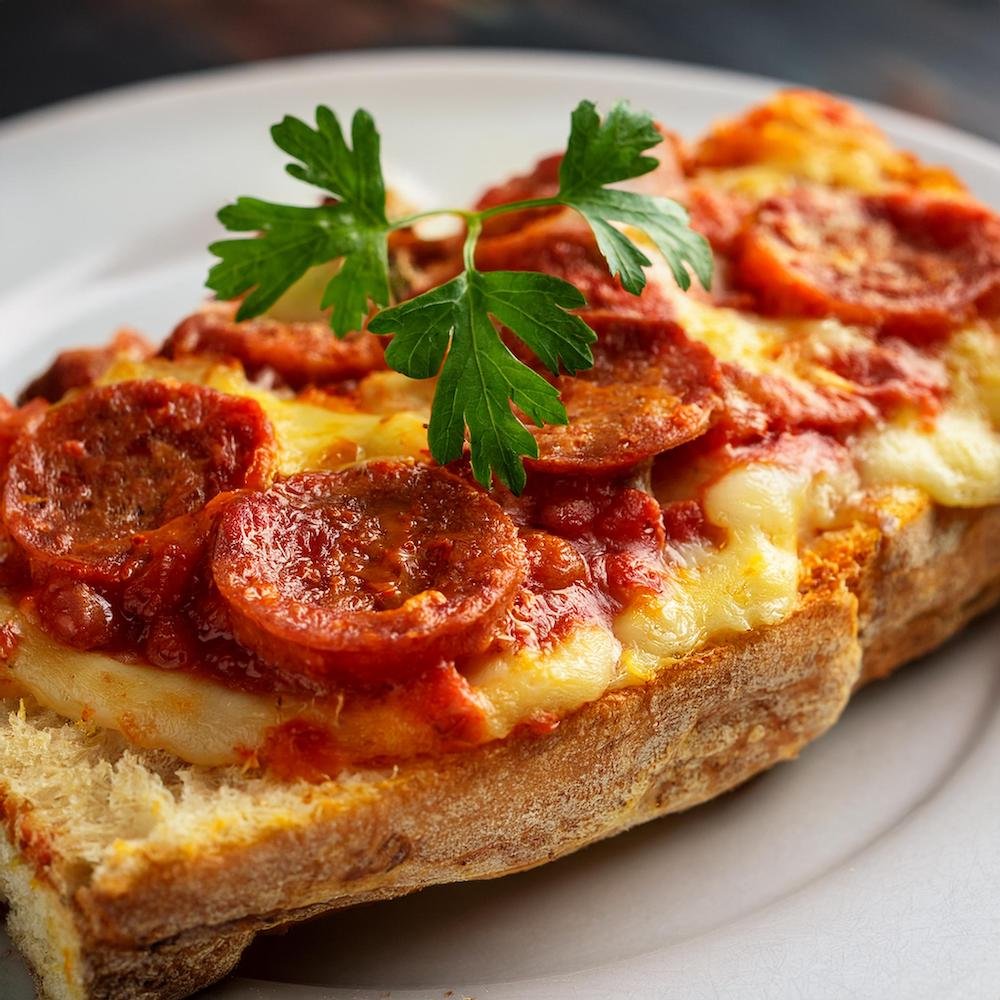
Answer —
452 331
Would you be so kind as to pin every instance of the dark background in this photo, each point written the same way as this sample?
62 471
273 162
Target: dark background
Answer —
940 58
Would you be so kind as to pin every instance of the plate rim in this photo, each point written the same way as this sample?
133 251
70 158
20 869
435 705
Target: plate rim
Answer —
487 61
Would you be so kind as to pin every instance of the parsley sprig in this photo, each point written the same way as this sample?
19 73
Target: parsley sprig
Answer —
451 331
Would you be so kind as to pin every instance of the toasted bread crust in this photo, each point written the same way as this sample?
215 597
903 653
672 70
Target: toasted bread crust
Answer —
161 921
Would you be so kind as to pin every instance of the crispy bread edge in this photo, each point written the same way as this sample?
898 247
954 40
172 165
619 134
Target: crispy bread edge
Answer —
161 922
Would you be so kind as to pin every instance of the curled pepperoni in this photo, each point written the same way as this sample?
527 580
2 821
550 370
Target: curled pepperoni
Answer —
760 404
300 354
366 574
650 390
82 367
123 460
912 263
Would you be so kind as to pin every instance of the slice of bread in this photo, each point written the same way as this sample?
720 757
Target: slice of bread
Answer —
131 875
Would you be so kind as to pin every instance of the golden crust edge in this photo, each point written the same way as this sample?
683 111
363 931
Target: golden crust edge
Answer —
875 599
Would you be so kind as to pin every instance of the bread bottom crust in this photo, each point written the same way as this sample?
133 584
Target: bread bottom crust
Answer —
165 919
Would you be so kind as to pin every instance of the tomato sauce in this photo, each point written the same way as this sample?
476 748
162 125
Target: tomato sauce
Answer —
10 638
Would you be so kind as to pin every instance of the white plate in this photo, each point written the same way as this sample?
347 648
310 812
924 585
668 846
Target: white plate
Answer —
870 868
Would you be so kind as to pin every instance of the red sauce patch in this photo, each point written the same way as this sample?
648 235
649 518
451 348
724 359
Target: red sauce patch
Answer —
301 749
434 713
15 421
592 544
10 638
684 521
442 699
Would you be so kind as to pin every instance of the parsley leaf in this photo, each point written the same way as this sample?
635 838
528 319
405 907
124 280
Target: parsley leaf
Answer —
452 331
604 152
449 329
292 239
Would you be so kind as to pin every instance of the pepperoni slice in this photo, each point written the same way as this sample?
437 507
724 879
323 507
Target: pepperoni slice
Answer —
366 574
126 459
541 182
913 263
650 390
300 354
759 404
82 367
718 215
570 253
892 373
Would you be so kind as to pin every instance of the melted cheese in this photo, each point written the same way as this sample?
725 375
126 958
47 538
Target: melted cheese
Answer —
200 721
312 432
955 458
798 136
751 581
204 722
518 687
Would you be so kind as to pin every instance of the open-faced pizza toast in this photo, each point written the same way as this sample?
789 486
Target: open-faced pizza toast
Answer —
261 657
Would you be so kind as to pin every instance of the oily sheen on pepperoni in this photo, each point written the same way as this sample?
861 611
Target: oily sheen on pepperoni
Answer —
650 390
914 263
123 460
300 354
366 574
